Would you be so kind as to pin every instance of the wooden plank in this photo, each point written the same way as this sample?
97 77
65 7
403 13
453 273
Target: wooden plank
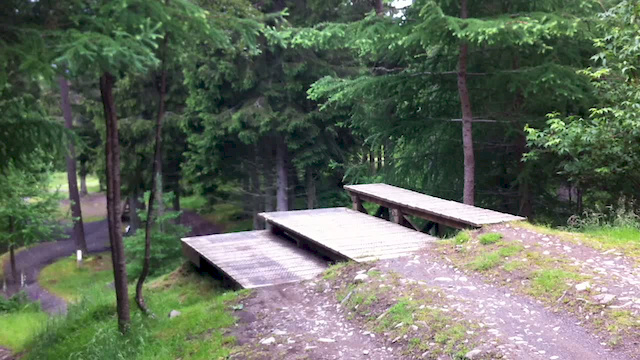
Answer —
348 234
434 209
254 258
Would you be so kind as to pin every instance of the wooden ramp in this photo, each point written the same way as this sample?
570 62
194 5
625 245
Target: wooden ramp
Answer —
347 234
447 212
254 259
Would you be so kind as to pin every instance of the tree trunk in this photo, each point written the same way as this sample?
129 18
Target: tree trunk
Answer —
311 190
255 191
467 118
74 195
378 6
114 220
156 184
134 218
12 255
282 195
267 181
83 184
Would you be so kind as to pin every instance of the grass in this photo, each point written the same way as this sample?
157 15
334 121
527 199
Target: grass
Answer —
487 261
65 279
551 282
625 239
335 270
18 328
59 182
489 238
89 331
462 237
409 314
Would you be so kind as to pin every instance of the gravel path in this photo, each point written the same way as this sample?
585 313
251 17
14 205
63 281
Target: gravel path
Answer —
31 261
614 276
292 322
5 354
523 328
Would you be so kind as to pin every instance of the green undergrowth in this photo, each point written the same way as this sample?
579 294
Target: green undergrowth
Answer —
229 215
412 315
20 319
71 282
90 331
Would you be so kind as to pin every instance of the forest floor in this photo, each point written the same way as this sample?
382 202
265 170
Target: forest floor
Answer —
520 292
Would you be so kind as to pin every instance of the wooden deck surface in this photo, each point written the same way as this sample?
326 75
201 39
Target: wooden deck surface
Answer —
349 234
429 205
254 258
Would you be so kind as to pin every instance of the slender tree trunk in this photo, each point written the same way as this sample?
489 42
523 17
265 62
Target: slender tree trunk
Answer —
12 255
267 181
282 195
311 190
255 191
134 205
83 184
156 185
467 118
113 201
74 195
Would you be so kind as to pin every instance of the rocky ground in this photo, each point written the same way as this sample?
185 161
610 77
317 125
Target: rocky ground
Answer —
545 297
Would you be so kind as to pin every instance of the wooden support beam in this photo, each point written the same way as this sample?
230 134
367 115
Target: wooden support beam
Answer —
357 203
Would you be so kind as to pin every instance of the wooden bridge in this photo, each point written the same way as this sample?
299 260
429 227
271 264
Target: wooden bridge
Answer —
299 244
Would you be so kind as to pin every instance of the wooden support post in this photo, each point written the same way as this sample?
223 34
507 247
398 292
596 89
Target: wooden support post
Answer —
357 203
397 216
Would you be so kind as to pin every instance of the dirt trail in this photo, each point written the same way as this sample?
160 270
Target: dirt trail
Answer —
298 322
5 354
523 328
289 322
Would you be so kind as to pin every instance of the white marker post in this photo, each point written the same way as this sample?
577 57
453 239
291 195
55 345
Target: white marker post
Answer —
79 257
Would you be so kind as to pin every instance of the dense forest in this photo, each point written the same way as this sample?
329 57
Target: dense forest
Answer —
526 107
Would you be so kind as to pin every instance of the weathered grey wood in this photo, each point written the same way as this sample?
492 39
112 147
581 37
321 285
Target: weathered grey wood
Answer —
357 203
348 234
445 212
254 259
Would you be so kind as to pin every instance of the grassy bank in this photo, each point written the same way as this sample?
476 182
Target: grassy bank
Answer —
19 326
59 182
89 330
71 282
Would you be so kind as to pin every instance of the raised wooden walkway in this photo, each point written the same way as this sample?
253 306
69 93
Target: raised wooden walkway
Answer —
346 234
446 212
253 259
294 247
